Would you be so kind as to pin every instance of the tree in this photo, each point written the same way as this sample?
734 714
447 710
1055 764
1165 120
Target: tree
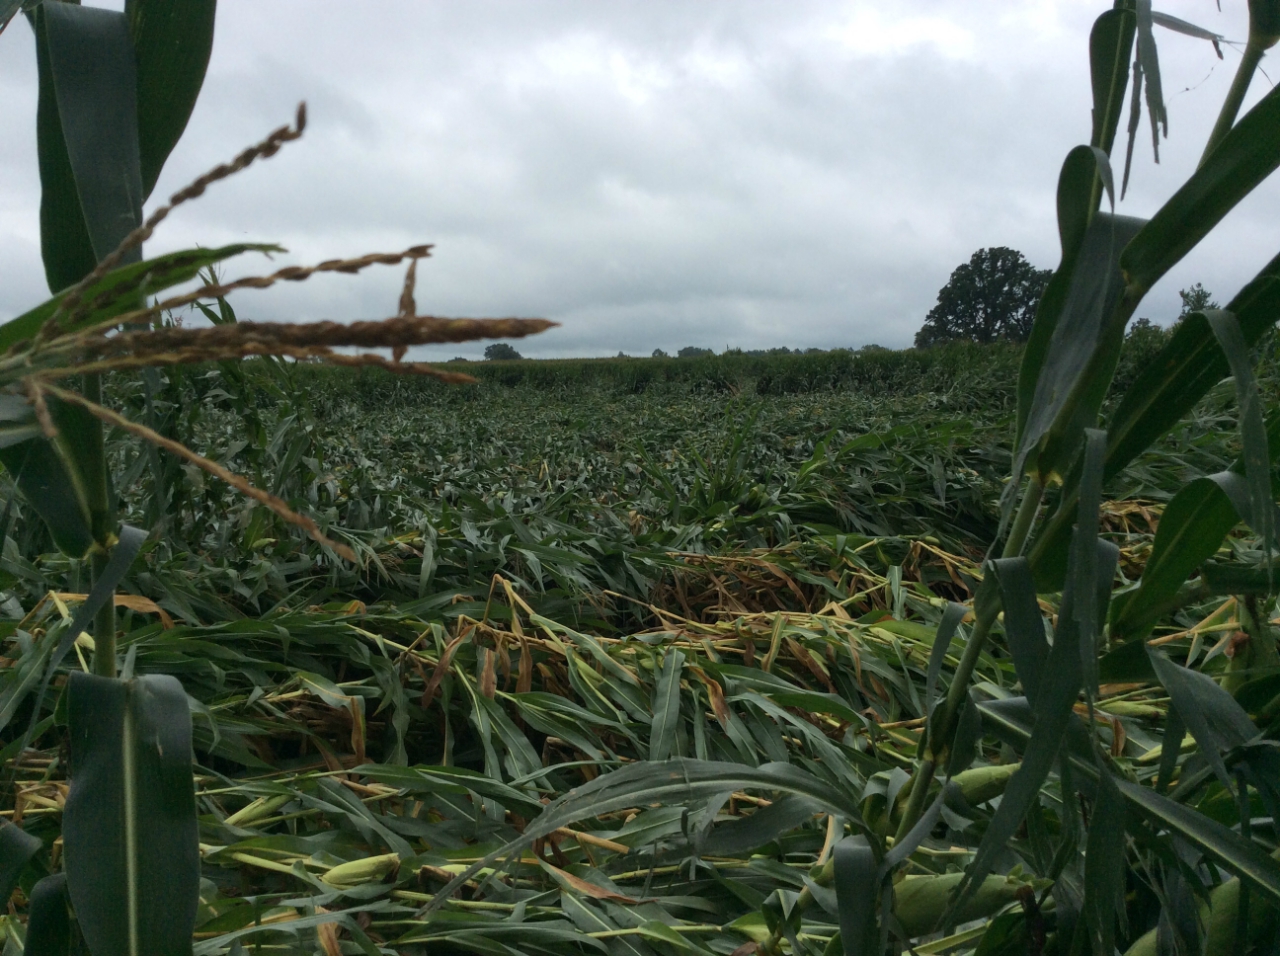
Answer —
692 351
992 296
501 352
1195 299
658 353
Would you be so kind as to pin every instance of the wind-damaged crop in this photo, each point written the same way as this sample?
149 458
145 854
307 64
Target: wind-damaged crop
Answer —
116 90
1072 811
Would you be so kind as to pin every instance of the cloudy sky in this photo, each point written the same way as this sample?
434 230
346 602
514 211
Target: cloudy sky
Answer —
654 173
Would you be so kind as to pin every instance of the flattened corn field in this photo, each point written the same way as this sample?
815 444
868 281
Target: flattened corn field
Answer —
568 569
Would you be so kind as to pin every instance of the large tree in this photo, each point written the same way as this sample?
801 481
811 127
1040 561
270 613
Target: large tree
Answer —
992 296
501 352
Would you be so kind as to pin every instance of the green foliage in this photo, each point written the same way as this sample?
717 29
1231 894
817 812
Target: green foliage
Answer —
501 352
992 296
1195 299
707 657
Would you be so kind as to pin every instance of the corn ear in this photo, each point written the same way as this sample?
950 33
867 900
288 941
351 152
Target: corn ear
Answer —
368 870
919 902
1220 921
257 810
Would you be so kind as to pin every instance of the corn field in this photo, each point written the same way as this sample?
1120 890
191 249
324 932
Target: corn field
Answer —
310 648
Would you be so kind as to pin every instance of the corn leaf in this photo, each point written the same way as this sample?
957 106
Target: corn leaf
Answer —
1213 717
1224 846
858 889
129 827
87 137
1082 352
8 10
1253 431
1245 157
1023 624
50 929
1104 868
1058 689
1076 205
1110 45
1169 386
17 847
666 706
644 783
172 40
117 290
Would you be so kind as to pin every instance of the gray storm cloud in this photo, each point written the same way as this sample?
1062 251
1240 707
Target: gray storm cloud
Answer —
654 174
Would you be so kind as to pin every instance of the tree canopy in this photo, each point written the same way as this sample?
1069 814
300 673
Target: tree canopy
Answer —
1195 299
992 296
501 352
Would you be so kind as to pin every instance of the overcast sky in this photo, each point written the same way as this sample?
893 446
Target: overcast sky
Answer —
653 173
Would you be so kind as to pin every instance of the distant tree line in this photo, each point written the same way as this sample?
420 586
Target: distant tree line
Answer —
992 297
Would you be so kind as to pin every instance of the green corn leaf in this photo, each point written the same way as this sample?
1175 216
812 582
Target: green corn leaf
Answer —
1185 369
458 780
17 847
1191 530
1023 625
1058 689
1264 22
742 836
1012 721
1253 431
172 40
65 479
1083 351
8 10
964 746
50 929
129 827
79 444
65 246
41 474
87 138
1193 361
1224 846
1076 204
858 887
103 590
676 780
1170 748
1245 157
333 797
522 760
1085 559
119 289
1212 715
1006 935
951 619
540 711
666 706
916 835
1104 869
1110 46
